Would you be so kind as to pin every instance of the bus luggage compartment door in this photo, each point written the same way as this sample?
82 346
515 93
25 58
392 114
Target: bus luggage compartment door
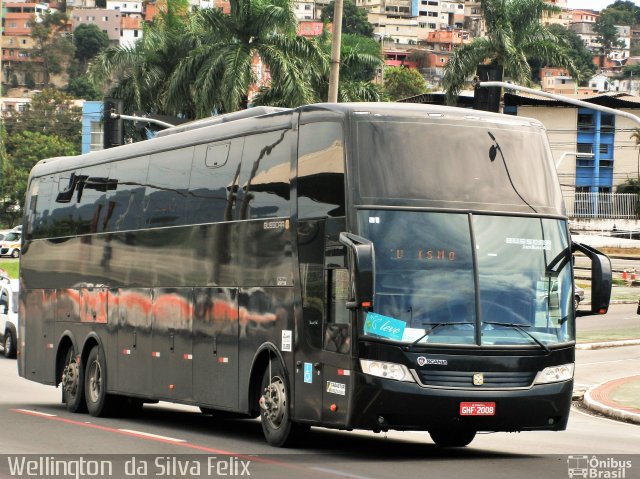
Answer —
215 347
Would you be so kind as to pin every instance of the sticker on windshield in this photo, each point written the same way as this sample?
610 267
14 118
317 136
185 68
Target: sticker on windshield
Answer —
530 243
384 326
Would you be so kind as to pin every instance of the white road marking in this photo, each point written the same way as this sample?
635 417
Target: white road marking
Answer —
155 436
339 473
36 413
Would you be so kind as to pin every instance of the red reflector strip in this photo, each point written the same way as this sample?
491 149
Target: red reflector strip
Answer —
366 304
126 352
223 360
344 372
155 354
188 356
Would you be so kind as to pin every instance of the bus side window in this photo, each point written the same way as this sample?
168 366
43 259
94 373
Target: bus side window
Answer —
90 199
214 181
167 185
125 197
320 183
265 177
40 207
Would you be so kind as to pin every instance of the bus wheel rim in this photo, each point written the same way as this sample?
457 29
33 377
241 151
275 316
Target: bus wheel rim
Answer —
274 402
95 381
70 378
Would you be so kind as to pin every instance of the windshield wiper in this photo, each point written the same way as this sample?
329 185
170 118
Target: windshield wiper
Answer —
434 326
520 327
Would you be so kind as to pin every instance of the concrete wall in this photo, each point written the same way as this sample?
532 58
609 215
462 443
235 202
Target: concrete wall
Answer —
562 131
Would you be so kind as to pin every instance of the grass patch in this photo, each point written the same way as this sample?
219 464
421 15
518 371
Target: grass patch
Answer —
11 266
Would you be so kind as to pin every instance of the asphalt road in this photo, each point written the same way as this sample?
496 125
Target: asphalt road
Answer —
165 437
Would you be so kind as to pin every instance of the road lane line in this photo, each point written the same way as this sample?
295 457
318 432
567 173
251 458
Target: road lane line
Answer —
610 361
339 473
35 413
187 445
154 436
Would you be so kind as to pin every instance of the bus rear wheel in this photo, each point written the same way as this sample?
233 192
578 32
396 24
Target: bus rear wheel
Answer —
275 416
99 403
73 382
452 438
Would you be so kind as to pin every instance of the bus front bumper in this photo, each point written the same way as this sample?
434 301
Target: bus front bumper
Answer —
383 404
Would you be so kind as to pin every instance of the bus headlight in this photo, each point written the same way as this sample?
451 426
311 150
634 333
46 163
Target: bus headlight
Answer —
397 372
555 374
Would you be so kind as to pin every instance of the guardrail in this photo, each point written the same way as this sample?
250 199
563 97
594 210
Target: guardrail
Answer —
603 205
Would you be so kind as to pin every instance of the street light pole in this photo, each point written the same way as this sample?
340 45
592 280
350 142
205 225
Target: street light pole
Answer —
334 72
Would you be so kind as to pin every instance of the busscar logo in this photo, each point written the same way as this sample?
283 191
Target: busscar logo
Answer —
276 225
422 361
595 467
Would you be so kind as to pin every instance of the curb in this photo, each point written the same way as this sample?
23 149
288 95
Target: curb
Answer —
608 344
593 404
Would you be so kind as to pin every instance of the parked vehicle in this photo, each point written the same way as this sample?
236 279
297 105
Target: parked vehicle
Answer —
578 296
9 316
10 245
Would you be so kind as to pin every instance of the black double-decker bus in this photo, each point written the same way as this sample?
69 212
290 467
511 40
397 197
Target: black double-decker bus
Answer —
370 266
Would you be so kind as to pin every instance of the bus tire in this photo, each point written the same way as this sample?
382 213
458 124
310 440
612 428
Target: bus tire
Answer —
452 438
99 403
73 382
9 345
275 416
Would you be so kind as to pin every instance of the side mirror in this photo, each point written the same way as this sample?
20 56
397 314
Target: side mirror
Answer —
601 278
362 269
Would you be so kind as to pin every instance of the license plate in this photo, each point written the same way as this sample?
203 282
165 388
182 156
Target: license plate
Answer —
477 408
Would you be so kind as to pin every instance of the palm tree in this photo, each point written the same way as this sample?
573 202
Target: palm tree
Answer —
139 73
514 35
218 72
358 65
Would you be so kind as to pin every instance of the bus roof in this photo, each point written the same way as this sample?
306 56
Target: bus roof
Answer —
261 119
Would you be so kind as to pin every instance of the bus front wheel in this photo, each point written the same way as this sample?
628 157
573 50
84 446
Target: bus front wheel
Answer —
452 438
275 416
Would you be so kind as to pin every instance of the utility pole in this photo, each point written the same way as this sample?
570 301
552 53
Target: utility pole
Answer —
334 73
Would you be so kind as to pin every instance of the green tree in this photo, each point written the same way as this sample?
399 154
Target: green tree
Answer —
81 87
578 51
401 82
50 112
52 43
139 74
514 35
360 59
89 40
607 36
623 12
218 71
354 19
24 150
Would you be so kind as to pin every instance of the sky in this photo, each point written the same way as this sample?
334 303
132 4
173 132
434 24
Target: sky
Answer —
591 4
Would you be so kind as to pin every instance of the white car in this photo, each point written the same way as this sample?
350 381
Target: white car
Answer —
9 316
10 245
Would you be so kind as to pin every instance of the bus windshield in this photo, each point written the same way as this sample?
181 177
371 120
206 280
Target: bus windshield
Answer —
426 290
459 164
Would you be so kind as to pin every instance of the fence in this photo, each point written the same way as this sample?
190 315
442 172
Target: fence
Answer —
603 205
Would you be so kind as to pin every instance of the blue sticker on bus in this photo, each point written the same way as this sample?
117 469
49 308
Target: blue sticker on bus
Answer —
308 373
384 326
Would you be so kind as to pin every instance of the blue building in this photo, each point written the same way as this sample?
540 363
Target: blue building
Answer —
92 132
